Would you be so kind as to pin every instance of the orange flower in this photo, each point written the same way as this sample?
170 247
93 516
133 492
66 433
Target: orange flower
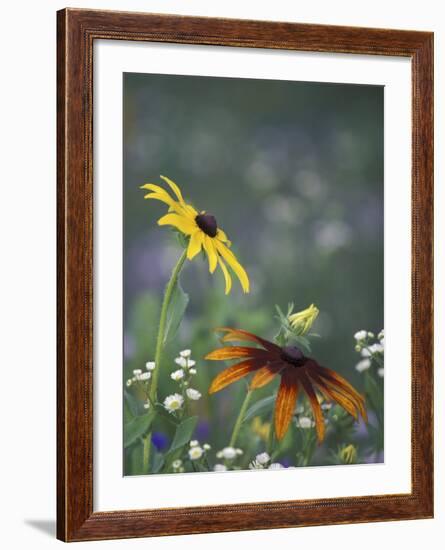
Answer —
297 373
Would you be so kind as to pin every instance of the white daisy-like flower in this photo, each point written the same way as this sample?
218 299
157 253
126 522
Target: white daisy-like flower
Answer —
147 405
305 422
370 335
194 443
145 376
228 453
177 375
360 335
150 365
220 468
129 382
192 371
177 463
181 361
137 372
381 372
185 353
376 348
365 352
195 453
173 402
263 458
363 365
206 447
276 466
193 394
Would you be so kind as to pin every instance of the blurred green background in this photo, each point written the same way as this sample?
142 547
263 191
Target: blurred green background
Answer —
293 172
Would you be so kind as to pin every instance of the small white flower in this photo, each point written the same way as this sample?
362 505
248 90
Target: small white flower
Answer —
137 372
381 335
228 452
363 365
194 443
193 394
145 376
206 447
177 463
381 372
173 402
358 347
177 375
382 341
129 382
370 335
305 422
192 371
147 405
220 468
181 361
366 352
376 348
239 451
262 458
360 335
150 365
276 466
195 453
185 353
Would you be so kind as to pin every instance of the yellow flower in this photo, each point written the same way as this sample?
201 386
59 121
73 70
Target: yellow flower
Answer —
302 321
259 428
348 455
202 230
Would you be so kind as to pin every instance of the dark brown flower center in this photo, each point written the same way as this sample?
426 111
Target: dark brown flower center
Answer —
293 355
207 223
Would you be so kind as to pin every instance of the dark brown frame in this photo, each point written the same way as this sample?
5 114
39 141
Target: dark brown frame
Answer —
77 30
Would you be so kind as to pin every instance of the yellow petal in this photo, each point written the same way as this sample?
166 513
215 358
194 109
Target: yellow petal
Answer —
222 236
161 194
195 244
209 247
174 188
226 274
180 222
234 264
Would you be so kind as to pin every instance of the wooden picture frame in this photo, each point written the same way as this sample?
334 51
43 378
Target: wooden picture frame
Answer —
77 31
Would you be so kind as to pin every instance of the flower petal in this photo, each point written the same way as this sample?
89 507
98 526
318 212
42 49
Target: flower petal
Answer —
234 264
235 352
343 386
285 403
195 244
174 188
234 373
332 394
227 277
209 247
315 405
234 334
180 222
220 234
265 375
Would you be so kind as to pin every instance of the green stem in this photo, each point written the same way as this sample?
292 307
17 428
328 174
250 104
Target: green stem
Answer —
240 418
162 320
146 453
152 396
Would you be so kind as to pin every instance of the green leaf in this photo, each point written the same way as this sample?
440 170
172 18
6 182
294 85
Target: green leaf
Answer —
183 433
259 407
137 427
175 312
303 342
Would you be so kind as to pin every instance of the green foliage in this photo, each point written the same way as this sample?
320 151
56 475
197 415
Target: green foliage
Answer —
136 428
175 312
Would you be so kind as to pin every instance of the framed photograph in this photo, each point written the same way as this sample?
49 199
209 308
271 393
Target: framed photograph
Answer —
245 229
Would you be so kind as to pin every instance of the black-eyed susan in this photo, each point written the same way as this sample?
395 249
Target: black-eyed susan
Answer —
202 231
297 373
